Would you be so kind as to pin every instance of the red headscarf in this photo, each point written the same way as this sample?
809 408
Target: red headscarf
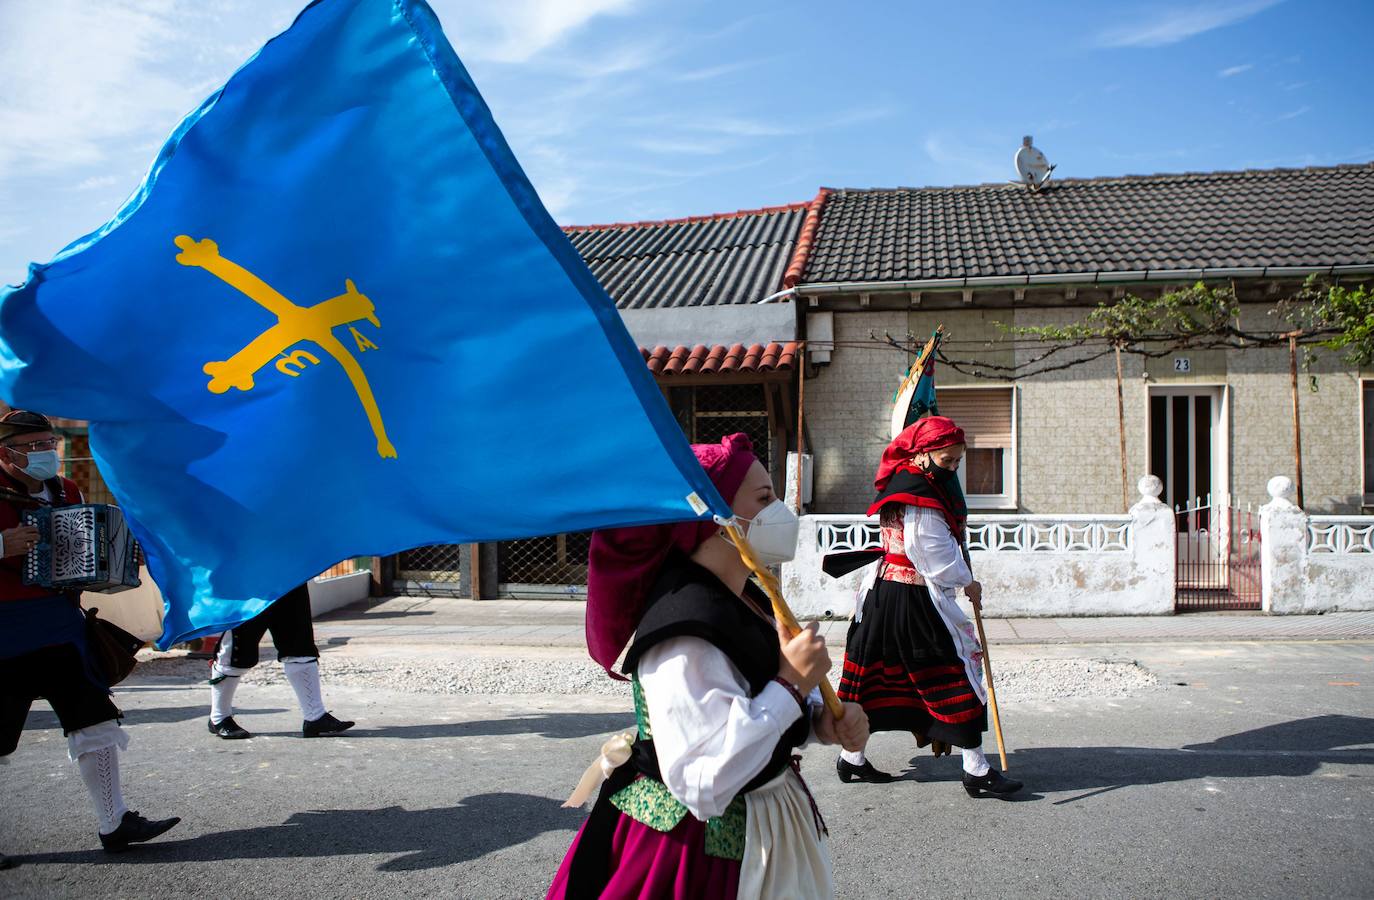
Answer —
930 433
624 562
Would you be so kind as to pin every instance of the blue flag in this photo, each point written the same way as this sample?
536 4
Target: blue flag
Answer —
336 320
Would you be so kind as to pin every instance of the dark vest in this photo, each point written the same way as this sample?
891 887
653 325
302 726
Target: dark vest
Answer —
687 600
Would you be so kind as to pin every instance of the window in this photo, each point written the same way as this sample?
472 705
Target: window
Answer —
1367 389
986 415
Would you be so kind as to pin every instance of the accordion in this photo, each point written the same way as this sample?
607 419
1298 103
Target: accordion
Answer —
86 547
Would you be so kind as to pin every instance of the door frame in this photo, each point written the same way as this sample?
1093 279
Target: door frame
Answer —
1220 392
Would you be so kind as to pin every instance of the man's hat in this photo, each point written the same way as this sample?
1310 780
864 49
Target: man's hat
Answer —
21 421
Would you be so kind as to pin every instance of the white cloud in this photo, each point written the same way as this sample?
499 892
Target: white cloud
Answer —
1235 70
95 182
1178 24
735 126
60 109
1294 114
711 72
960 162
684 146
515 31
126 73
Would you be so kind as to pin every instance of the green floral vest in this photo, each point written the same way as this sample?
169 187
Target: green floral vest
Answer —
649 802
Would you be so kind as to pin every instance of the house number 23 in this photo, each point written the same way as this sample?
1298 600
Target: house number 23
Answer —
1182 364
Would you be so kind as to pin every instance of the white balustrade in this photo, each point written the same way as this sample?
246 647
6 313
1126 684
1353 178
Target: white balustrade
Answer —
1340 534
995 533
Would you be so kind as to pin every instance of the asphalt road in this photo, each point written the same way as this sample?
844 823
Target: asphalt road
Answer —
1249 772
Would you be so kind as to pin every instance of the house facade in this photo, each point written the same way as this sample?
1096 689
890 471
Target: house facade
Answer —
886 264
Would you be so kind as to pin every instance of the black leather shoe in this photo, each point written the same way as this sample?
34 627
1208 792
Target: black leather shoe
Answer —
849 772
134 829
994 783
228 729
324 726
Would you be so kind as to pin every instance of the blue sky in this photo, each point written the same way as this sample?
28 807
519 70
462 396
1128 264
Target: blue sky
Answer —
622 110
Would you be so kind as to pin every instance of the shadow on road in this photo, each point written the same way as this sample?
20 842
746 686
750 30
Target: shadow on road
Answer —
1288 749
162 715
550 725
426 838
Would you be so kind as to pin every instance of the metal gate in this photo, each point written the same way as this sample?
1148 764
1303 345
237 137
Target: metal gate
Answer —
1217 558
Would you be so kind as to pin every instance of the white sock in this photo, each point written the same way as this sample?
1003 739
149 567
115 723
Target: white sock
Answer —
304 675
975 763
853 757
100 771
222 698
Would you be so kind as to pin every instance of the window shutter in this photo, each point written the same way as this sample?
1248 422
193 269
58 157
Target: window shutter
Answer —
983 413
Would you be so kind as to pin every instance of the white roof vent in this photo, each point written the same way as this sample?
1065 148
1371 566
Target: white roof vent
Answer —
1031 166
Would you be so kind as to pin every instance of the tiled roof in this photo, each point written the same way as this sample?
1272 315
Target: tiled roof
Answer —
1276 217
700 261
720 359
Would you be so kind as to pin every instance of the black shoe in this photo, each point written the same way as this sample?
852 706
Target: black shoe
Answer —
134 829
323 726
228 729
994 783
850 772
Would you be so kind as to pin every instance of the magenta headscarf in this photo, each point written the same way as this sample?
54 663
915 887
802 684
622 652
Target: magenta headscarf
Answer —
624 562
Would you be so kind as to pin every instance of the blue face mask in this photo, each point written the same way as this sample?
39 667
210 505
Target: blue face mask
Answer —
42 465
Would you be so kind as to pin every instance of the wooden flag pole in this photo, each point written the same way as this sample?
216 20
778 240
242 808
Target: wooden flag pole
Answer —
780 610
914 372
992 692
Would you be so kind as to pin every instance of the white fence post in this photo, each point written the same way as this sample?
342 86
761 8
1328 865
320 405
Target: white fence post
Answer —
1283 550
1154 547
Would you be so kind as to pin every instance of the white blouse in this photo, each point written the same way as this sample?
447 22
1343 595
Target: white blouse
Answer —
932 549
711 737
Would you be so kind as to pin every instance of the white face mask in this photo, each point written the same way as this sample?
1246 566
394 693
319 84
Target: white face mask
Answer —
773 533
42 465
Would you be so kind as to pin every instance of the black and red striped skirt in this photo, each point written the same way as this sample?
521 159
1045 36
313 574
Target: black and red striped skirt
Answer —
901 665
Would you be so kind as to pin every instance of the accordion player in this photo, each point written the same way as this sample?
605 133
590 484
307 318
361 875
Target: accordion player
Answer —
84 547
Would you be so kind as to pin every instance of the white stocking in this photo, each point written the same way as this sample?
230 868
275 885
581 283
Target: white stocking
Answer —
975 763
100 771
222 698
304 674
853 757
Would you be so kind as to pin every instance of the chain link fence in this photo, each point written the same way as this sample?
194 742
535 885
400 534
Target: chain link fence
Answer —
437 565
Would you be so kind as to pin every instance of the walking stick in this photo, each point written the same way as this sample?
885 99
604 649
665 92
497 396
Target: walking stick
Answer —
992 693
780 610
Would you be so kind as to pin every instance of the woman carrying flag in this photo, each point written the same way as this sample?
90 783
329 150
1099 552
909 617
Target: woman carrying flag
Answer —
706 800
912 658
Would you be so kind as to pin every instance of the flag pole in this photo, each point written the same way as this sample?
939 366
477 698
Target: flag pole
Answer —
780 610
992 692
914 372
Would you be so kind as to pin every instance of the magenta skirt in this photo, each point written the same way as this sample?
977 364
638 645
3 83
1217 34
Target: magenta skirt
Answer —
649 864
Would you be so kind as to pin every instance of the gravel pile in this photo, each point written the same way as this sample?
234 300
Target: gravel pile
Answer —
1035 679
1060 679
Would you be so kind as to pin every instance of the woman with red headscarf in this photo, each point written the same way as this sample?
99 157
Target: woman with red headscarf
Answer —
706 799
912 657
